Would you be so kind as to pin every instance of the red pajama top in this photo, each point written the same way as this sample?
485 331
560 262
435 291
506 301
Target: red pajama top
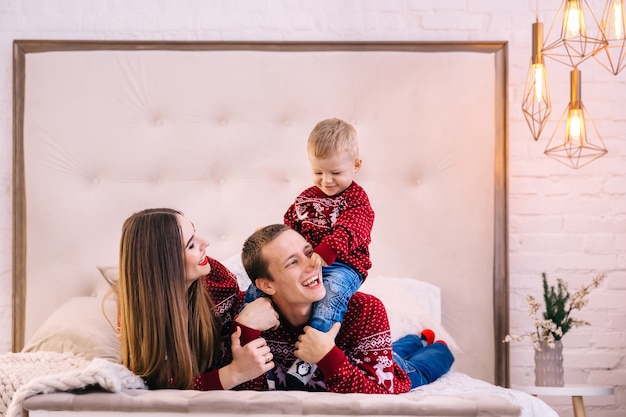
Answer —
338 227
223 287
361 361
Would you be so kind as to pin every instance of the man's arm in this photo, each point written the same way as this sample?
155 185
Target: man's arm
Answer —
360 360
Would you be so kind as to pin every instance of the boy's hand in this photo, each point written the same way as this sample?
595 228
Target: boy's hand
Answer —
317 261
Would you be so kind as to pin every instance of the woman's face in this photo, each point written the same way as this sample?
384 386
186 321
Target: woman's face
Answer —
196 262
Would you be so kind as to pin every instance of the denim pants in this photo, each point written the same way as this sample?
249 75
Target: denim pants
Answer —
252 293
423 364
340 281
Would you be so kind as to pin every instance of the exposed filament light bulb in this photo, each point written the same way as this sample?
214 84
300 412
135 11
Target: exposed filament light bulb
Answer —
618 19
574 21
574 131
539 70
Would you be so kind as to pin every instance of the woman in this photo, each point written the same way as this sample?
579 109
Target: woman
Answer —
178 306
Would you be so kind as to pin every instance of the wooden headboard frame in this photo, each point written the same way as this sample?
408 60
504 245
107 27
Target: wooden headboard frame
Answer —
498 50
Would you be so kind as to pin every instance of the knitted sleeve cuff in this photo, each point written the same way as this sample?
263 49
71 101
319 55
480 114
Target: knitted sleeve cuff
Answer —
208 381
331 362
247 334
326 252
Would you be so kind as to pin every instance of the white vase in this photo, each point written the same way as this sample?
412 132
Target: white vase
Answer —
549 365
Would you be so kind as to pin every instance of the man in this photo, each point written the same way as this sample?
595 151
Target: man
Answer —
355 356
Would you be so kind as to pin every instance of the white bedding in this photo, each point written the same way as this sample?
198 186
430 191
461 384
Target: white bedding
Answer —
47 372
26 374
458 384
76 347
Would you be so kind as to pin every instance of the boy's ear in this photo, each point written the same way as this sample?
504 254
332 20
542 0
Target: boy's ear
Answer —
265 285
357 164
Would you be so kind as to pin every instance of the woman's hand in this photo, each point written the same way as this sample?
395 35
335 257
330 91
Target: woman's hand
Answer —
313 345
249 361
259 315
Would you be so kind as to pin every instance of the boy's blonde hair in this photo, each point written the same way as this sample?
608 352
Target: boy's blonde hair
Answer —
331 136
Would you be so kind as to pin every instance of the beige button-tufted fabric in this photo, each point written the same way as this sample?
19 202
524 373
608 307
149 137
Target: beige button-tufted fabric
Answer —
221 136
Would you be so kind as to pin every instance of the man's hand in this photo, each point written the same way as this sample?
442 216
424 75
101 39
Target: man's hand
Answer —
313 345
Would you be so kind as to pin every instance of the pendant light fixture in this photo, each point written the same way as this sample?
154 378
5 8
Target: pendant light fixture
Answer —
613 26
580 143
536 105
580 36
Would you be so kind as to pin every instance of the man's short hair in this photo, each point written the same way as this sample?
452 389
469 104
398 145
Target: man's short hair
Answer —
252 252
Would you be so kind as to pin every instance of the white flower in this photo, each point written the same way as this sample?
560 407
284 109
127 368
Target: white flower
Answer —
555 321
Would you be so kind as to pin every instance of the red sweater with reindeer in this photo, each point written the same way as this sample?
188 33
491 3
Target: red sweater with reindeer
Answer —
227 298
361 361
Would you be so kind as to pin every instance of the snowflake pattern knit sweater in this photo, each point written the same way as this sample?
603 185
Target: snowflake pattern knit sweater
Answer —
361 361
338 227
228 298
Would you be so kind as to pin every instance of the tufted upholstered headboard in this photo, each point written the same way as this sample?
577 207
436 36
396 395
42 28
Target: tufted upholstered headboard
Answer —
218 130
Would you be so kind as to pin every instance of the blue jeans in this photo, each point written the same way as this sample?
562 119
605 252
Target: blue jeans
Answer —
252 293
423 364
340 281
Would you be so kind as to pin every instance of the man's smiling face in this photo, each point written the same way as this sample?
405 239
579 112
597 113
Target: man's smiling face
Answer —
295 281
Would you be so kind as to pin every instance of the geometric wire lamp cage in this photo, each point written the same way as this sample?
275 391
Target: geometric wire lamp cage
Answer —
575 141
536 104
613 57
574 36
580 36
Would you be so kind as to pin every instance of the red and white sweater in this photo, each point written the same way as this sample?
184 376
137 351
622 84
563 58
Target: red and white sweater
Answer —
338 227
228 298
361 361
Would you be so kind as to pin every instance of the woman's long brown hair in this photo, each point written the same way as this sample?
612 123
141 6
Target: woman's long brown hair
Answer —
168 331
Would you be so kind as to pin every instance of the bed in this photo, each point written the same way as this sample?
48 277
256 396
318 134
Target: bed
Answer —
217 130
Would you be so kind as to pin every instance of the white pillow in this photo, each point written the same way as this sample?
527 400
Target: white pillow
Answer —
411 305
111 274
80 326
234 265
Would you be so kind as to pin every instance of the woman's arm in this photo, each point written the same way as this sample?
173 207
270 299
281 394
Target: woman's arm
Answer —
245 355
249 362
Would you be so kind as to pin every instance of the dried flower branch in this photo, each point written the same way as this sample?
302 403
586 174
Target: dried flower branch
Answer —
556 320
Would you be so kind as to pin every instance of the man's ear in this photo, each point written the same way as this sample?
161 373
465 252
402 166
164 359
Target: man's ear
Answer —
265 285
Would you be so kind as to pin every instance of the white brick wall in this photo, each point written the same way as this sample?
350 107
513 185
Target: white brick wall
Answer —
565 222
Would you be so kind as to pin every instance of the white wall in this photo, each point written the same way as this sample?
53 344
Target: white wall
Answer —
566 222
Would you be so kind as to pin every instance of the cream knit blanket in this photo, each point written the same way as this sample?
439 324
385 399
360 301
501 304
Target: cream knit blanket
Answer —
25 374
